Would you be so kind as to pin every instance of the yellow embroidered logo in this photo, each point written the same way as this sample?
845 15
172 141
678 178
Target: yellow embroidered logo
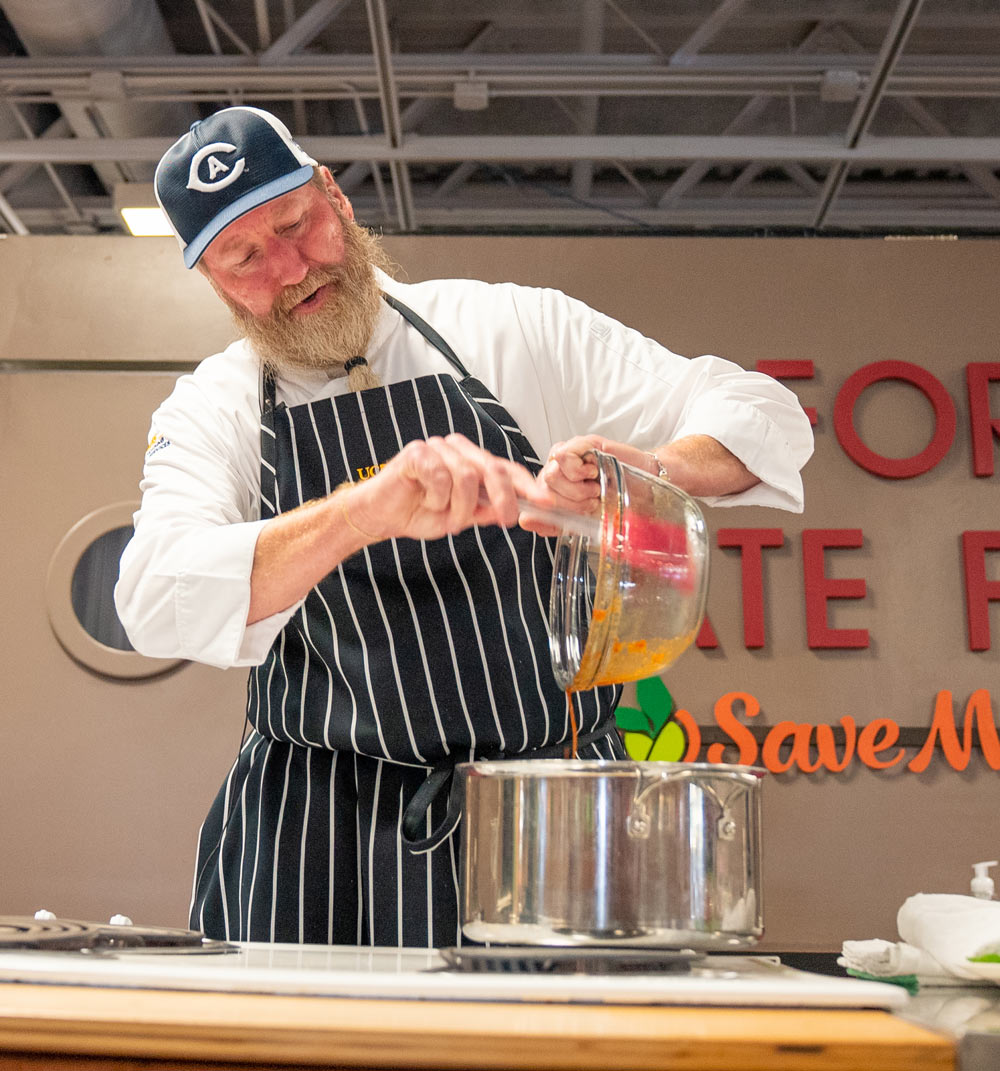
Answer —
366 472
155 444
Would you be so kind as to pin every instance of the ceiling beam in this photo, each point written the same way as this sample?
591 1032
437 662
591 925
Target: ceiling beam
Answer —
748 114
869 100
302 31
378 24
707 30
666 149
526 207
410 119
36 73
10 218
587 109
980 174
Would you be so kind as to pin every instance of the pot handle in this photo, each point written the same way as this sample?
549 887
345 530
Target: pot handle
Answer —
740 779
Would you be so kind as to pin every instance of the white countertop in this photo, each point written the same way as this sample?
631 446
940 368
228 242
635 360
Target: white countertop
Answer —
421 974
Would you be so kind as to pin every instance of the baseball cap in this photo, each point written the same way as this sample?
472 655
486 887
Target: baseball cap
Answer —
222 168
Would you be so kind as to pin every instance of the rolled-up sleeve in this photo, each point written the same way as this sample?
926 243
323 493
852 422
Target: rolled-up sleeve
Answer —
761 423
605 378
183 589
184 593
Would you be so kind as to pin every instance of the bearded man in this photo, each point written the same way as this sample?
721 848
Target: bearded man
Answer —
337 502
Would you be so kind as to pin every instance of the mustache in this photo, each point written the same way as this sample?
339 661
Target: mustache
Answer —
292 295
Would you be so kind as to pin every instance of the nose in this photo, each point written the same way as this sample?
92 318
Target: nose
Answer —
288 265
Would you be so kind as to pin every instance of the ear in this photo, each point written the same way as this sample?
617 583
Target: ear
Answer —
338 195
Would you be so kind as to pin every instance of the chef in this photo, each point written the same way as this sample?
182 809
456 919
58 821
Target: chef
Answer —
332 502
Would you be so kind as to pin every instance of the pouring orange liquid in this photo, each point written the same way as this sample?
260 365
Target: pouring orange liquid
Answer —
633 596
629 661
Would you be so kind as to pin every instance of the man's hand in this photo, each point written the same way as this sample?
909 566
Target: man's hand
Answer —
438 487
430 489
697 464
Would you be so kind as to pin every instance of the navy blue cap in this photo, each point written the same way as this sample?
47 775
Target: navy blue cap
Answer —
222 168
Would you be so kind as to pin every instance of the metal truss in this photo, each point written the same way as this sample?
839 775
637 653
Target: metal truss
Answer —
872 116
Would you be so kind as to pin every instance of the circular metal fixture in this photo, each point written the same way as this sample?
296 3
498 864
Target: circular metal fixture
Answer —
69 630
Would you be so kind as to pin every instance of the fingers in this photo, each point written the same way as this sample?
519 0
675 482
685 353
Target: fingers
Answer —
443 485
453 484
501 483
570 472
484 482
575 457
446 481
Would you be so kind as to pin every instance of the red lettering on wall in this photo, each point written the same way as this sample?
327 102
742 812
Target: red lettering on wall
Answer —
751 542
979 591
982 426
706 637
903 467
978 709
791 370
819 588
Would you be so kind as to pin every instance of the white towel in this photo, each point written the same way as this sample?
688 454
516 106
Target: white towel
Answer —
950 928
891 959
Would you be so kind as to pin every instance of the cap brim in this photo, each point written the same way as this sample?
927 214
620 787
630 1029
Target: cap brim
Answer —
249 201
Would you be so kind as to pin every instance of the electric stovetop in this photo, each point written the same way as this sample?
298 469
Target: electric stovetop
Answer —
67 952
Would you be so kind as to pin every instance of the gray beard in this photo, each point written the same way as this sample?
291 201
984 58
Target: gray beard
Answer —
340 329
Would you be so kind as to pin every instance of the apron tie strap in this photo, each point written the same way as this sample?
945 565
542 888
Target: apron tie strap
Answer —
441 778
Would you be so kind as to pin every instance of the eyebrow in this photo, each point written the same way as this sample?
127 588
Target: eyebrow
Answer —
241 246
227 246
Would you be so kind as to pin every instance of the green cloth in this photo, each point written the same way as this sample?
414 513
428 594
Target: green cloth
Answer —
907 981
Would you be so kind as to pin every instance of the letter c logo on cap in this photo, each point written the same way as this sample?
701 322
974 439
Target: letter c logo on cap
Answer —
215 166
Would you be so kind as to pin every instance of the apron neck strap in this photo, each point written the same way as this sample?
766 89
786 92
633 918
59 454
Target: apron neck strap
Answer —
428 332
268 388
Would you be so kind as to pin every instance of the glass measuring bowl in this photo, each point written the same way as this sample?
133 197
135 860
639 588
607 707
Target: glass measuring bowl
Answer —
628 606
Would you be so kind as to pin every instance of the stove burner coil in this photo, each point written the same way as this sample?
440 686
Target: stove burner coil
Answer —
69 935
517 959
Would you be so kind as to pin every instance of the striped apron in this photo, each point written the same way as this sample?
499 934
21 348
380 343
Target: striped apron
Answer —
407 658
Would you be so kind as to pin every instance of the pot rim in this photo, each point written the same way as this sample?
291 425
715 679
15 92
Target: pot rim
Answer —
536 768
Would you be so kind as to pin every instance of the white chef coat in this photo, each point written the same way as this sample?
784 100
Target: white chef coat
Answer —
559 367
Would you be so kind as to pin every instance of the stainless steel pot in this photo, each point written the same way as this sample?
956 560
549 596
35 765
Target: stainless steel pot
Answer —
572 852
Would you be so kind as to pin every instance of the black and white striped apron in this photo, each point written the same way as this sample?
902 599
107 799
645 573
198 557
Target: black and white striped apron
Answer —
408 657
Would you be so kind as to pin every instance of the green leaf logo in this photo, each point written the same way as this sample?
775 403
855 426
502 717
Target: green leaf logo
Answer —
649 733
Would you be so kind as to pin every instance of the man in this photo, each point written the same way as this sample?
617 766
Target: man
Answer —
333 501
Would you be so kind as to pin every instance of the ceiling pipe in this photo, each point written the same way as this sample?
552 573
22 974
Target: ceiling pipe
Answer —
591 43
103 28
544 148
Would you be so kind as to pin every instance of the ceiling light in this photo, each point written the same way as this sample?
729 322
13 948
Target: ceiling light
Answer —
136 203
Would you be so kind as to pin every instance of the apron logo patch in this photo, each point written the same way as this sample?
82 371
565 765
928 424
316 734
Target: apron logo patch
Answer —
366 472
157 443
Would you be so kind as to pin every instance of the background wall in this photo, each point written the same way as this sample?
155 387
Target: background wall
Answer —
103 782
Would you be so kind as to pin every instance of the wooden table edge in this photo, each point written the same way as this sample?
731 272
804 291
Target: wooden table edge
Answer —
244 1030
